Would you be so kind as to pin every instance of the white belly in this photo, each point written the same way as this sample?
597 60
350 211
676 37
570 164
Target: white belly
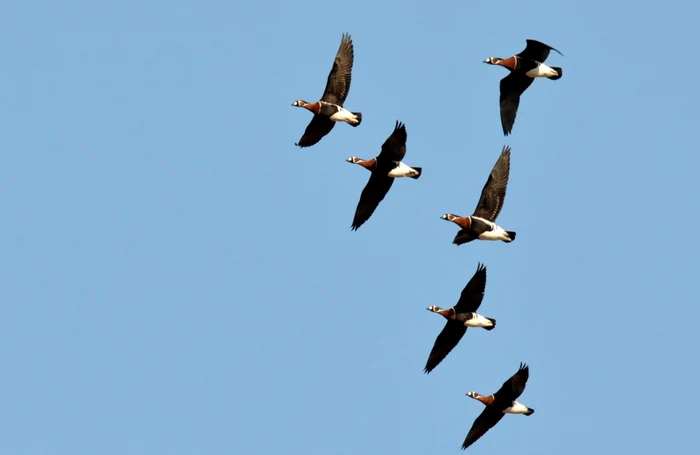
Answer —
478 321
343 115
498 233
402 170
516 408
542 70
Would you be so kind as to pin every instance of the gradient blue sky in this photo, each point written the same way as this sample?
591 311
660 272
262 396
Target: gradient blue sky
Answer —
177 278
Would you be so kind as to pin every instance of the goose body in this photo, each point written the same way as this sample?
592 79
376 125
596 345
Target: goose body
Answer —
524 68
499 404
459 318
385 167
329 109
481 225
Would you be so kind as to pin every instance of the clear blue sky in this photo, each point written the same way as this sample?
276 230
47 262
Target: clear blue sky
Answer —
177 278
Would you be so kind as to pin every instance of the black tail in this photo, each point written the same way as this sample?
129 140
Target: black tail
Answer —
359 118
419 170
511 234
493 321
559 73
530 412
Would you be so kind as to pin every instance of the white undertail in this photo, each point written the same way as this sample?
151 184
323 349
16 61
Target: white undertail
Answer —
478 321
344 115
403 170
517 408
542 70
496 233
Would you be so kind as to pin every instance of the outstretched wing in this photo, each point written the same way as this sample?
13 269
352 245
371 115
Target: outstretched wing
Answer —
394 148
338 84
488 418
444 343
463 236
493 194
377 187
514 386
473 292
319 126
535 50
512 86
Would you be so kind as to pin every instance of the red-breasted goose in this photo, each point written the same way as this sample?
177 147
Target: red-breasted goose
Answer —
482 224
329 109
459 318
499 404
524 68
385 167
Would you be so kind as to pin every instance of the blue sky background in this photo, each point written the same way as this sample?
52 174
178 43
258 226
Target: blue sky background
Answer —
177 278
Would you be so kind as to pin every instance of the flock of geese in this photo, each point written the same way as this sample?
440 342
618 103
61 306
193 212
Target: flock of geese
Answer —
480 225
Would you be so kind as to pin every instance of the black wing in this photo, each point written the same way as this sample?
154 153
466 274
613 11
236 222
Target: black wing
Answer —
394 148
464 236
488 418
535 50
514 386
444 343
473 292
493 194
512 86
319 126
374 192
338 84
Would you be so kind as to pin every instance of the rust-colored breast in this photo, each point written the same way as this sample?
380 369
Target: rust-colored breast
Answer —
488 401
449 314
370 165
314 107
509 63
463 222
